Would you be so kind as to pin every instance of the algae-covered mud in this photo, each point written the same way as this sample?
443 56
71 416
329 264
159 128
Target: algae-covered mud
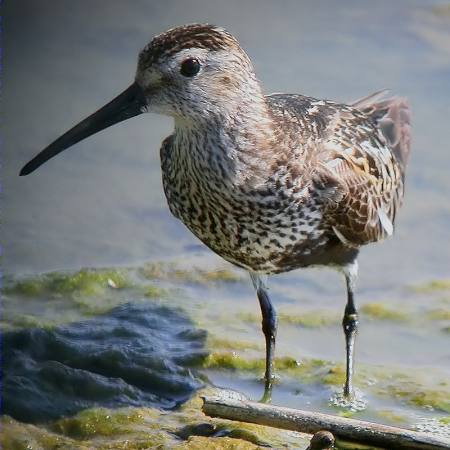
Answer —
118 358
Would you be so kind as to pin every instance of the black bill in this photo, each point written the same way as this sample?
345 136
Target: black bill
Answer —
128 104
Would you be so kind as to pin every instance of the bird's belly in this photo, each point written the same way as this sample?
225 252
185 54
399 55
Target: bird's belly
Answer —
256 237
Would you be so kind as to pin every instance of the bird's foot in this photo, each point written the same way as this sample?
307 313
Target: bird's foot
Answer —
268 386
353 401
267 396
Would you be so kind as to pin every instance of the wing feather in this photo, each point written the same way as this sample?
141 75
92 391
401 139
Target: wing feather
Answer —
370 180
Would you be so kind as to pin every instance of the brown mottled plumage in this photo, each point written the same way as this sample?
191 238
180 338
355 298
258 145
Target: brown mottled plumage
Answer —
270 183
328 176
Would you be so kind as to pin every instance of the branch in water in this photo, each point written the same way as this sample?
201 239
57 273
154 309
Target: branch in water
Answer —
229 405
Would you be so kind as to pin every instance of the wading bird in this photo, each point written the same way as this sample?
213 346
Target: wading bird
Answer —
270 183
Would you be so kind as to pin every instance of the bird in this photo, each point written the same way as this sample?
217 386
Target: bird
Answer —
271 183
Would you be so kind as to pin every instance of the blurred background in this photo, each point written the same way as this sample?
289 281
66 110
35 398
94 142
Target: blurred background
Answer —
101 203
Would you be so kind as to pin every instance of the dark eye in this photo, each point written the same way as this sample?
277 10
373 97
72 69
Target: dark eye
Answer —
190 67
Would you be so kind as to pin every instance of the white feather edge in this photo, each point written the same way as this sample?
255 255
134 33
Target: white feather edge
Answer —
385 221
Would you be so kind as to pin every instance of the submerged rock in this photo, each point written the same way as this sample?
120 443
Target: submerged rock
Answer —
133 355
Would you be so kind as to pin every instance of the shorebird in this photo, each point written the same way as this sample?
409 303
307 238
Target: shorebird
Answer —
271 183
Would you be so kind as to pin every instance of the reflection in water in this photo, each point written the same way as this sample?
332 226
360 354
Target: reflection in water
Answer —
135 355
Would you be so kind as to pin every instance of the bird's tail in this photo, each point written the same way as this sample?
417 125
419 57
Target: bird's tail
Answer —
393 116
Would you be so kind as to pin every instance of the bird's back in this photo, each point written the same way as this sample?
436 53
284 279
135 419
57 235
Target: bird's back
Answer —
355 154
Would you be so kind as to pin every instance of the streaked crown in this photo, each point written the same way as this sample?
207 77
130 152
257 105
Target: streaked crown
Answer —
202 36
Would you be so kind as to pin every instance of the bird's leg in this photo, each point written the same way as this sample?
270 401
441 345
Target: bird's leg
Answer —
350 325
269 328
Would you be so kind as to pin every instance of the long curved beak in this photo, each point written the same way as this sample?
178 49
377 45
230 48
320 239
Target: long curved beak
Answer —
129 103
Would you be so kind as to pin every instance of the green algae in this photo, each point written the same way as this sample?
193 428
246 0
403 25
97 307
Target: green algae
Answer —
220 275
432 286
99 421
196 275
215 342
225 443
345 445
347 413
441 10
308 370
13 320
307 319
27 288
70 296
391 417
84 283
231 360
152 291
20 436
30 321
379 311
146 428
335 376
249 317
445 420
244 432
439 314
310 319
410 391
431 398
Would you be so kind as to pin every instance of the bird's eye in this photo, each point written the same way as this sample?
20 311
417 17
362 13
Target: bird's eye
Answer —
190 67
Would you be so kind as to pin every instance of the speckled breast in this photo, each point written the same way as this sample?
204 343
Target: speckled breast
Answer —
260 229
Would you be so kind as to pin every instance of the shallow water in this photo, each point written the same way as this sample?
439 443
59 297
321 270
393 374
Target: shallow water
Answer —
101 204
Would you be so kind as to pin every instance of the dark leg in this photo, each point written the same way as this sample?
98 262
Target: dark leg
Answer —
350 325
269 328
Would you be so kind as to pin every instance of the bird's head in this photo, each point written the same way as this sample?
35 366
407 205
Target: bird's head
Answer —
192 73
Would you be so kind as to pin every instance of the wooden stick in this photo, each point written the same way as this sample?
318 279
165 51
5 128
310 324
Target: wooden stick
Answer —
228 405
